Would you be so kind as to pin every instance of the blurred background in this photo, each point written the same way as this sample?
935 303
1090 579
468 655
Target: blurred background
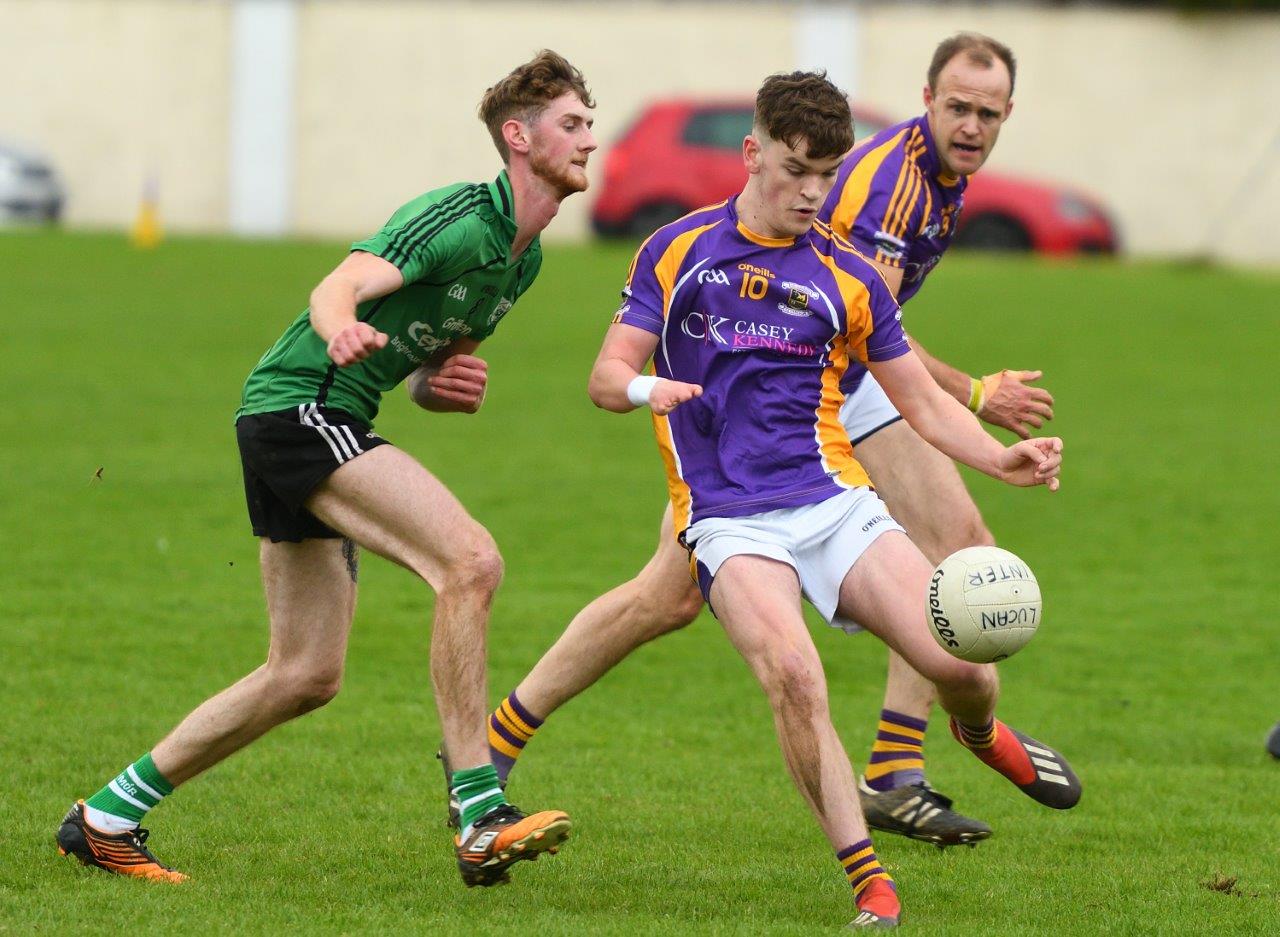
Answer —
1148 127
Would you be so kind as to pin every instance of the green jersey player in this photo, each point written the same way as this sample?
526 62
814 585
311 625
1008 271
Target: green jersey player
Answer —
410 304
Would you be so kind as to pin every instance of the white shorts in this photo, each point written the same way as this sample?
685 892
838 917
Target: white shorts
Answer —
866 410
821 542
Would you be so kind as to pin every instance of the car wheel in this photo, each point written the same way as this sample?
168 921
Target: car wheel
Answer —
650 218
994 233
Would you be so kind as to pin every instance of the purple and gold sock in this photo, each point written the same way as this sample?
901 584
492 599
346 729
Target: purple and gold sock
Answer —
897 757
975 737
862 867
510 728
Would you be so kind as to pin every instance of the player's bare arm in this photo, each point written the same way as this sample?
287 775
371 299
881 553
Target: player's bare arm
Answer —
613 385
947 425
454 381
360 277
1002 399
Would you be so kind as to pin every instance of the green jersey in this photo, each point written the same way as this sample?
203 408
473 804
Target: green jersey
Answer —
453 246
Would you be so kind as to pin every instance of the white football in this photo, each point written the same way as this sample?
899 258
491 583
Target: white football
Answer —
983 604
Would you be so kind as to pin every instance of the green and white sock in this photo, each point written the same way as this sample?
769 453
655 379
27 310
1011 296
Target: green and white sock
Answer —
477 791
128 796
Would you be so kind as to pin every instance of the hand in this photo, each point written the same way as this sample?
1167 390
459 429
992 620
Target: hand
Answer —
667 395
355 343
462 380
1009 402
1032 462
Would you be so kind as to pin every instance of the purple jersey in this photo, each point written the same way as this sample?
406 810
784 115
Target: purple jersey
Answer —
893 201
768 327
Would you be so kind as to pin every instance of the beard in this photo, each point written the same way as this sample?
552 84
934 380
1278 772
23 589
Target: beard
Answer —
563 180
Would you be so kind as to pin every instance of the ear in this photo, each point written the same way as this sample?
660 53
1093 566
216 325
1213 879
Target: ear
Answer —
517 136
928 97
1008 109
751 154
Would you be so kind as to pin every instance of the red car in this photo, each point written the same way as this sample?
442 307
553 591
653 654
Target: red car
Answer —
682 154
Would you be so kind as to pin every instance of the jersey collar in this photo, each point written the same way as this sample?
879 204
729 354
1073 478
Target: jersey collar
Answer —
504 201
929 159
749 235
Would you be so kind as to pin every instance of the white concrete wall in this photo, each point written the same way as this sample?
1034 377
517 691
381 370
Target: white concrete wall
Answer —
388 91
1168 118
117 90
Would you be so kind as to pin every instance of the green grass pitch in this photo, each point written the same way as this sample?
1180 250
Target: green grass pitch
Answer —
131 594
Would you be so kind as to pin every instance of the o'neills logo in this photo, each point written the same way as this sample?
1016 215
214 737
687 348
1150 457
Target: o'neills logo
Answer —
940 622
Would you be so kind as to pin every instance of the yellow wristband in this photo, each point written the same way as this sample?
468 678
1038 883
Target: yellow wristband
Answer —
976 395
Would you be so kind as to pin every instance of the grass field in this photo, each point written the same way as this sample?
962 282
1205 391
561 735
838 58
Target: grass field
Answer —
135 595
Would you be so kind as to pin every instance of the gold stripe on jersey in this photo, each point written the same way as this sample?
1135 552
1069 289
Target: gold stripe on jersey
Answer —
667 271
833 439
886 224
631 271
857 188
681 496
857 303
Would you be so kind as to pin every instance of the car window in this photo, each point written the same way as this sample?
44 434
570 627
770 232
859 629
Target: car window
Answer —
722 128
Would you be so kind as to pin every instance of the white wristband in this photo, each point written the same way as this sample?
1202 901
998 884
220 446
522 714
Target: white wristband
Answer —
639 388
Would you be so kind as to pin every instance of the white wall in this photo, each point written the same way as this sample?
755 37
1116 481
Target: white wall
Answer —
1168 118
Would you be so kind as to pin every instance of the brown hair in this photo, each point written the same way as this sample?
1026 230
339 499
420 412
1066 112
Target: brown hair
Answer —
527 91
981 50
805 106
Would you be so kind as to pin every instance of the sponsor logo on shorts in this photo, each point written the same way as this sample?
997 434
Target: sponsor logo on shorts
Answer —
875 520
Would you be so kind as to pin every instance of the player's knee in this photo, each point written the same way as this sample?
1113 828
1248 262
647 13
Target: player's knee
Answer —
302 689
967 531
477 567
971 681
795 684
668 609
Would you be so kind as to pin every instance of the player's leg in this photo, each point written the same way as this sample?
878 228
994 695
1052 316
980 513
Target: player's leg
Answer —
758 602
925 494
311 592
884 591
661 598
387 502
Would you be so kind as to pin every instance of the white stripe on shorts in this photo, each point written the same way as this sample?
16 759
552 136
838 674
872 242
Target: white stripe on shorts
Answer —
305 416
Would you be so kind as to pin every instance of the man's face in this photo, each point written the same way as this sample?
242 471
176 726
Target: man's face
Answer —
560 140
790 185
965 112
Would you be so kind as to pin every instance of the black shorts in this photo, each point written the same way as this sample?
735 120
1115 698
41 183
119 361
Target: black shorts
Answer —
285 454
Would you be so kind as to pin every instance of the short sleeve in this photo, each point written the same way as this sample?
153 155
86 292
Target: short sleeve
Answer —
891 213
887 339
423 240
642 296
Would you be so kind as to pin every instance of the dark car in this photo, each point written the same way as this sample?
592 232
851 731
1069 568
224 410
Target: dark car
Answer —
681 154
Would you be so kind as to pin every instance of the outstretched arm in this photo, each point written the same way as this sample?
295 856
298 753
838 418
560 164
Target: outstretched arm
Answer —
616 382
1002 399
945 423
